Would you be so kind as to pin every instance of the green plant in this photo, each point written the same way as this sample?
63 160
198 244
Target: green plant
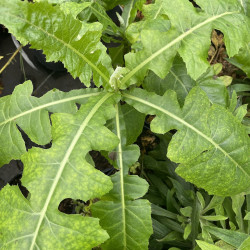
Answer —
210 143
183 216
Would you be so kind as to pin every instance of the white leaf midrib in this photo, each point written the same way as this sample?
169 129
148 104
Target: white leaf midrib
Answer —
172 43
63 164
121 172
187 125
158 12
13 118
67 45
130 7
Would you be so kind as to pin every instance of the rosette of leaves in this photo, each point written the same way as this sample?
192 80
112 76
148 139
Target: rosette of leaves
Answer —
210 145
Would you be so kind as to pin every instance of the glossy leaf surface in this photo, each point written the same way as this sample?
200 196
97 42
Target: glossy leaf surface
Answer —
61 37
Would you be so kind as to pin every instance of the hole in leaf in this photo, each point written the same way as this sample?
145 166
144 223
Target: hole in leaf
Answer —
71 206
17 180
194 4
23 189
101 163
204 151
147 141
67 206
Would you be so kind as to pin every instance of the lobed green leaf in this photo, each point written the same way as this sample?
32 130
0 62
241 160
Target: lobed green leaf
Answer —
155 18
126 218
214 86
213 154
61 37
74 8
58 173
99 12
242 59
177 79
31 114
188 35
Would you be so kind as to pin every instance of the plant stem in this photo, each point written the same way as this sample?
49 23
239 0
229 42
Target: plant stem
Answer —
11 58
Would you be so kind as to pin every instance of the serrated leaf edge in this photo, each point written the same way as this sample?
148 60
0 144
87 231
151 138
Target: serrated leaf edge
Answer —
66 45
175 41
187 125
